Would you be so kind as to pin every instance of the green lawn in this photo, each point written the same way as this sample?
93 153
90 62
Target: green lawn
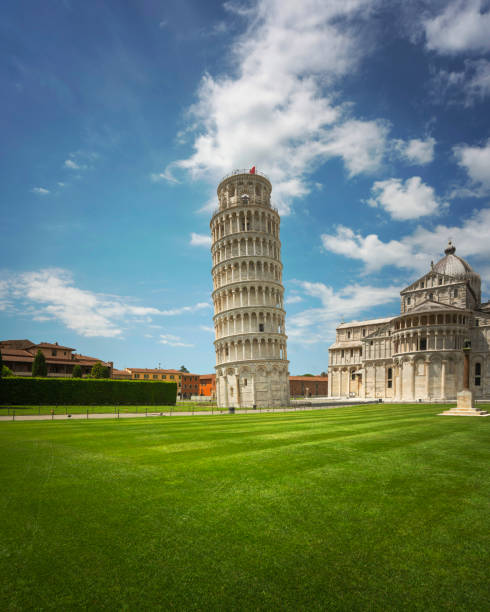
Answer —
361 508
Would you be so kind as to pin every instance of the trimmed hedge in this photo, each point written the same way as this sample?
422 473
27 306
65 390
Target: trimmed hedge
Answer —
85 392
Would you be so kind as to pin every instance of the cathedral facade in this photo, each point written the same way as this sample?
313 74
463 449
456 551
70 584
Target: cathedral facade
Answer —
418 354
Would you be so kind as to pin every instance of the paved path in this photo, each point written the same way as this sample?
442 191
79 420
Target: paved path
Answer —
131 415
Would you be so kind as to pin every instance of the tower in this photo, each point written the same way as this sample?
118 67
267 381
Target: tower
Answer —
249 316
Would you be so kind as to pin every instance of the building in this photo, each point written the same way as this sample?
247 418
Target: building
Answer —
417 355
157 374
190 385
249 316
308 386
207 385
18 355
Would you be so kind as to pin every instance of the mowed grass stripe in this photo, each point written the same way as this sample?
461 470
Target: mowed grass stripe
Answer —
374 507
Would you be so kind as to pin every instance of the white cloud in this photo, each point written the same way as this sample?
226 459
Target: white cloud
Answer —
207 328
173 340
294 299
416 250
200 240
40 190
468 86
476 162
318 324
177 311
286 124
51 294
60 184
463 26
416 151
69 163
166 175
409 200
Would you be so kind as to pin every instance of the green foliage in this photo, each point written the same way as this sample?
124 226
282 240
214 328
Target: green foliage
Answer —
5 371
77 371
1 365
184 369
39 367
86 392
307 375
100 371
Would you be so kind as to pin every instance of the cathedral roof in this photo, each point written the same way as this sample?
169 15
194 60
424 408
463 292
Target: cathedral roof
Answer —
454 266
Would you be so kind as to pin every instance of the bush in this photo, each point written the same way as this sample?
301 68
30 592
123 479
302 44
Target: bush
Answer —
6 371
39 367
86 392
77 371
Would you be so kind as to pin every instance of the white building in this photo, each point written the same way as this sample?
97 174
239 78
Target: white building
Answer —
418 354
249 316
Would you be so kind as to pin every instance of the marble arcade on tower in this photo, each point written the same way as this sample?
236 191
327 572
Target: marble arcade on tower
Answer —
418 355
248 296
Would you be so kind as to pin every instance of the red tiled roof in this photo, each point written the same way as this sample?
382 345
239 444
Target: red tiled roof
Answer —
7 351
310 378
53 346
153 371
18 344
207 376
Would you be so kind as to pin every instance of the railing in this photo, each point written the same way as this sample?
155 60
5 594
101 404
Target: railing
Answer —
218 210
244 171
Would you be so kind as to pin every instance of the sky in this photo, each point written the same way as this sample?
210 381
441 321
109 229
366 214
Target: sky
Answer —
119 118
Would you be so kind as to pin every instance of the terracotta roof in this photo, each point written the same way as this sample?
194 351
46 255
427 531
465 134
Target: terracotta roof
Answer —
207 376
7 351
53 346
18 344
153 371
310 378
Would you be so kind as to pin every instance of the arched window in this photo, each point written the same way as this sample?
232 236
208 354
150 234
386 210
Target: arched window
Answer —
477 374
389 378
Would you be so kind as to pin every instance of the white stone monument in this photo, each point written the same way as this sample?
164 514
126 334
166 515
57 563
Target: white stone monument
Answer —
249 316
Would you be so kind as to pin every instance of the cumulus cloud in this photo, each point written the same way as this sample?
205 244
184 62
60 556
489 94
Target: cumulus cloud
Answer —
318 324
69 163
416 250
476 162
293 299
173 340
202 240
288 123
463 26
416 151
405 200
53 295
40 190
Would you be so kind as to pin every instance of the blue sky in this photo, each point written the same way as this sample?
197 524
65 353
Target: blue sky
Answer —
119 118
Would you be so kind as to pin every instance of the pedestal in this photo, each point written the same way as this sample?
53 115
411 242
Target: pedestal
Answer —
464 406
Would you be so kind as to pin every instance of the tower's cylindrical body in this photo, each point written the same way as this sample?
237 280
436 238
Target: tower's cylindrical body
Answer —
248 296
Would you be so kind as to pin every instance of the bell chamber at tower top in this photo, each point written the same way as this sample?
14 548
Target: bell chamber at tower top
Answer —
241 188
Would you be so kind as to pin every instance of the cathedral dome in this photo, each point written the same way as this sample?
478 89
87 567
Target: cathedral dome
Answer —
454 266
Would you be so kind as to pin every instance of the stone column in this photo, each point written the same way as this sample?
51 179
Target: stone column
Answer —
427 374
412 380
443 379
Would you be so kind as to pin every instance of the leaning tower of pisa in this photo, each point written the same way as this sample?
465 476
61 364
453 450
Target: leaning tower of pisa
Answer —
249 316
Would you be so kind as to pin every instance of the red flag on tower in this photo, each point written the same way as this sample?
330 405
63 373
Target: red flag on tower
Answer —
252 170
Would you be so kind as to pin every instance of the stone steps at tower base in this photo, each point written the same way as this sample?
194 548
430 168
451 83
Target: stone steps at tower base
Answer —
465 412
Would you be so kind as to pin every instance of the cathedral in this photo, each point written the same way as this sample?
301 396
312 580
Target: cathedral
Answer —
418 354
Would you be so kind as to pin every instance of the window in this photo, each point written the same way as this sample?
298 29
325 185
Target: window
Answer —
53 353
363 333
389 377
408 300
342 353
348 334
261 327
244 382
164 376
171 376
440 280
352 352
477 322
477 374
360 352
371 343
136 375
423 344
431 296
455 292
146 376
353 375
155 376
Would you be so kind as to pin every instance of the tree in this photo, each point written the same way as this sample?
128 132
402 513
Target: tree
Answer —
1 364
308 374
184 369
39 367
100 371
77 371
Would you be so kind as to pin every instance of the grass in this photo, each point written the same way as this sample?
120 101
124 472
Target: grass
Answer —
360 508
